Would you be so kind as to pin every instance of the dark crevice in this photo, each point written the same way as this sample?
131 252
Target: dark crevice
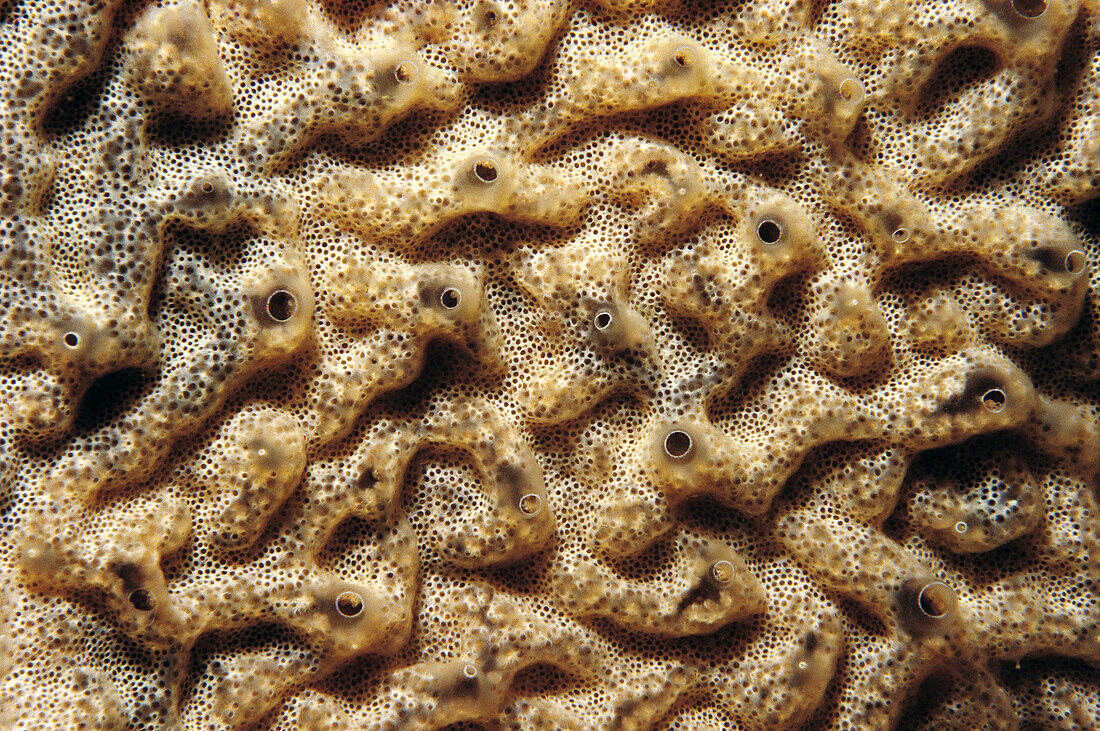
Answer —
349 17
542 679
704 513
647 565
7 7
209 651
352 533
725 401
862 617
930 701
958 71
1031 145
174 129
1077 53
1088 215
222 250
79 99
109 397
703 592
75 105
691 330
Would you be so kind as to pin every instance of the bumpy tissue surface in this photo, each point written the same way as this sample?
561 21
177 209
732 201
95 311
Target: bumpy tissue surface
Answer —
534 364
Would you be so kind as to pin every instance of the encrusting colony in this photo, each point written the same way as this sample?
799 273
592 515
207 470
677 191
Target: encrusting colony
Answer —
536 364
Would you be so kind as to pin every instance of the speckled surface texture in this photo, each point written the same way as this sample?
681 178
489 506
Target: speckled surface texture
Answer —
543 365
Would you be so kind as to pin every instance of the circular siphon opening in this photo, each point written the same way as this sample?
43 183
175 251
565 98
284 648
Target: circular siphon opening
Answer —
469 672
142 600
602 320
490 17
901 235
722 572
207 187
530 504
405 72
851 89
684 56
485 170
281 305
1075 262
349 604
935 600
961 527
450 298
678 444
994 400
769 231
71 339
1029 8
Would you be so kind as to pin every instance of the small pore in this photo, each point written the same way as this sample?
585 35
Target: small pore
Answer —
1075 261
851 90
349 604
685 56
405 72
678 444
486 170
935 600
1029 8
994 400
367 479
142 600
71 339
530 504
602 320
722 572
769 231
450 298
655 167
280 305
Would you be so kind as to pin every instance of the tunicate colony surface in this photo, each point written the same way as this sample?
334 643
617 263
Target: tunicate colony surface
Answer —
536 364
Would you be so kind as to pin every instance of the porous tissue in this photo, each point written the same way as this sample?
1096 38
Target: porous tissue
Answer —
549 364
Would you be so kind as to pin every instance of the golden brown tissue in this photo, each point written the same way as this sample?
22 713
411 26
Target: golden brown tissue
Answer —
533 364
